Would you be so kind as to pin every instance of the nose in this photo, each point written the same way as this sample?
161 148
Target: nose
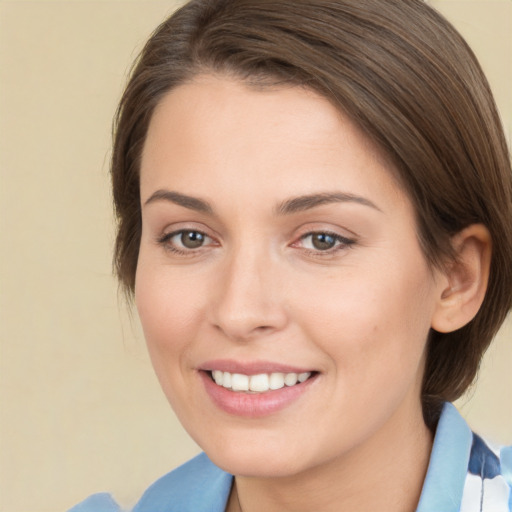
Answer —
250 300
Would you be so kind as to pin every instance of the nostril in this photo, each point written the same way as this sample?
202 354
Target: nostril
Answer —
247 326
263 328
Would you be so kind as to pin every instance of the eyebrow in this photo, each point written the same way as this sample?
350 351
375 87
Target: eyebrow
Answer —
192 203
290 206
303 203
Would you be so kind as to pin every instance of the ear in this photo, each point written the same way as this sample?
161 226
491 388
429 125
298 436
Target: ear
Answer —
464 280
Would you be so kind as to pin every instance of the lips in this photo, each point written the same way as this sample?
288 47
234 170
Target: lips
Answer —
254 389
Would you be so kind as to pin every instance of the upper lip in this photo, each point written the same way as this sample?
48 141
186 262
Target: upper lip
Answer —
251 367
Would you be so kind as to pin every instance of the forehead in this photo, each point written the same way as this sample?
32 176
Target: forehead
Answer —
226 101
223 130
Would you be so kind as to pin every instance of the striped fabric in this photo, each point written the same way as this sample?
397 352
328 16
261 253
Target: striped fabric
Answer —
486 488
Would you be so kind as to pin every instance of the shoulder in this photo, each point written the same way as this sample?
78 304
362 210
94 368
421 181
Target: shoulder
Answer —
101 502
196 486
465 474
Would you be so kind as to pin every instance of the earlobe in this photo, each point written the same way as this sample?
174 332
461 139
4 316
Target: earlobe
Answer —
465 279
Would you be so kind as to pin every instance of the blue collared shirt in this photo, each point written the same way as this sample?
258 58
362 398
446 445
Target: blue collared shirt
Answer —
464 475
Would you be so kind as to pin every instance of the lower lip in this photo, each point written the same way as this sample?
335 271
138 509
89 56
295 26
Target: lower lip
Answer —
255 405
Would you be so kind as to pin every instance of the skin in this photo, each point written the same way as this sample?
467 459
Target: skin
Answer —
257 289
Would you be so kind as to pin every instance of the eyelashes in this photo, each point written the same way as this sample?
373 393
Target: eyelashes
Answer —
324 242
192 242
185 241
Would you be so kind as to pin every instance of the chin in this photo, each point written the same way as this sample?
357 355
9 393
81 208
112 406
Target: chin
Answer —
255 466
256 457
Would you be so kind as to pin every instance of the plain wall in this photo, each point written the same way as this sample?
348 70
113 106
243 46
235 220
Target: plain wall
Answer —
81 410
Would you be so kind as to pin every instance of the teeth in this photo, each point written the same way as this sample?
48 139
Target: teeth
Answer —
258 383
217 377
239 382
276 381
290 379
226 379
304 376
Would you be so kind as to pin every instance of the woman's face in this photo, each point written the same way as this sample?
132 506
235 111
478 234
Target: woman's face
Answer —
276 242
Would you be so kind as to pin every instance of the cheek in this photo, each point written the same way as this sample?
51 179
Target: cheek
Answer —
372 324
169 311
170 314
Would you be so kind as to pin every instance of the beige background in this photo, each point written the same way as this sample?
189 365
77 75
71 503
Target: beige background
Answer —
80 408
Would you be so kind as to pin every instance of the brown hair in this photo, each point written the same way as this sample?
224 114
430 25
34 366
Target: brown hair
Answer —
404 75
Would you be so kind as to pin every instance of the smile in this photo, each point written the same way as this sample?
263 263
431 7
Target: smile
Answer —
260 383
252 391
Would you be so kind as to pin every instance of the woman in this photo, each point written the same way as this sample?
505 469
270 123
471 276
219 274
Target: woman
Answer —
315 205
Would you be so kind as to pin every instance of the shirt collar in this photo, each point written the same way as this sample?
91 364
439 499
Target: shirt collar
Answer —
446 474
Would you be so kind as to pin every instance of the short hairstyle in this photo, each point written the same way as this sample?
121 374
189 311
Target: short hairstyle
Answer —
400 72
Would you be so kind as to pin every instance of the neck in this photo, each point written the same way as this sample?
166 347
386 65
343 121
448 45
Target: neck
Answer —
385 473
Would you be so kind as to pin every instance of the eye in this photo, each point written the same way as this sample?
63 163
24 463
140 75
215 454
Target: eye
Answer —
185 240
324 241
191 239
